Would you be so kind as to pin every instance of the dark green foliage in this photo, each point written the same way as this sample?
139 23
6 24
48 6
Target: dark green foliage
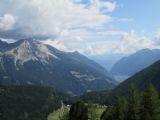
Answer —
150 105
120 109
108 114
133 104
146 107
96 97
116 112
78 111
28 102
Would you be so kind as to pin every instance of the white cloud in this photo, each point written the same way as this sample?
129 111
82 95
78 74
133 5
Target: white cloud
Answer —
133 42
130 42
110 6
7 22
70 40
105 6
158 34
52 16
68 20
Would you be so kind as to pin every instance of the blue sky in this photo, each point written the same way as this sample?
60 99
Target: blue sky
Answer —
92 27
144 12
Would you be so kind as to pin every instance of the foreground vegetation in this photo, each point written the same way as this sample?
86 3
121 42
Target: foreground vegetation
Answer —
136 106
60 114
78 111
35 103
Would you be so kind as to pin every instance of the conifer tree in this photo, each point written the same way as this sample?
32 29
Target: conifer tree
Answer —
108 114
133 104
78 111
150 105
120 109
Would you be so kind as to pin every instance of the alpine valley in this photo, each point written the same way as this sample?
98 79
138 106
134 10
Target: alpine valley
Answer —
79 60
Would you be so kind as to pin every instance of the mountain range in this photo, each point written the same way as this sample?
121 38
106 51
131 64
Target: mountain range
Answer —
128 66
31 62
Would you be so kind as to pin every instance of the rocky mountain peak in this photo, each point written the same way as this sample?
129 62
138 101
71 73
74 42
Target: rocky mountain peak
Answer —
30 49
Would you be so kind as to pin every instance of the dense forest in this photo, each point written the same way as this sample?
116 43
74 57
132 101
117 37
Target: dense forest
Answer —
28 102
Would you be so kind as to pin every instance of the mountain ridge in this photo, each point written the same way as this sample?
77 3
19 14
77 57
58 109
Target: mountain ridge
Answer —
128 66
140 80
28 61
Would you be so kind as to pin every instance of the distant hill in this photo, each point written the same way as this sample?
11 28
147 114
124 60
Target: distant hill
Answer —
28 102
134 63
30 62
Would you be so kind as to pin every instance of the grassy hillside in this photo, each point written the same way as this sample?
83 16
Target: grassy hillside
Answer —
59 114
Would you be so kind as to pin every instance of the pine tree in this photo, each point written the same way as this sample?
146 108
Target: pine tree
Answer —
78 111
133 104
120 109
108 114
150 105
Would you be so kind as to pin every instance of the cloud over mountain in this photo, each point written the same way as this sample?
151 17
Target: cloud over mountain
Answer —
7 22
87 26
52 16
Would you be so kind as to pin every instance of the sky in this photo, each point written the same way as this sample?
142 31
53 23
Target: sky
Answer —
92 27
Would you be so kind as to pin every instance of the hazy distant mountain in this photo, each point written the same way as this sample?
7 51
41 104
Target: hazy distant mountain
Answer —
130 65
142 79
31 62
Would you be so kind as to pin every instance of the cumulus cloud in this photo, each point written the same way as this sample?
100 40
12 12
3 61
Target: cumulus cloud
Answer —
7 22
132 42
73 24
52 16
129 43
